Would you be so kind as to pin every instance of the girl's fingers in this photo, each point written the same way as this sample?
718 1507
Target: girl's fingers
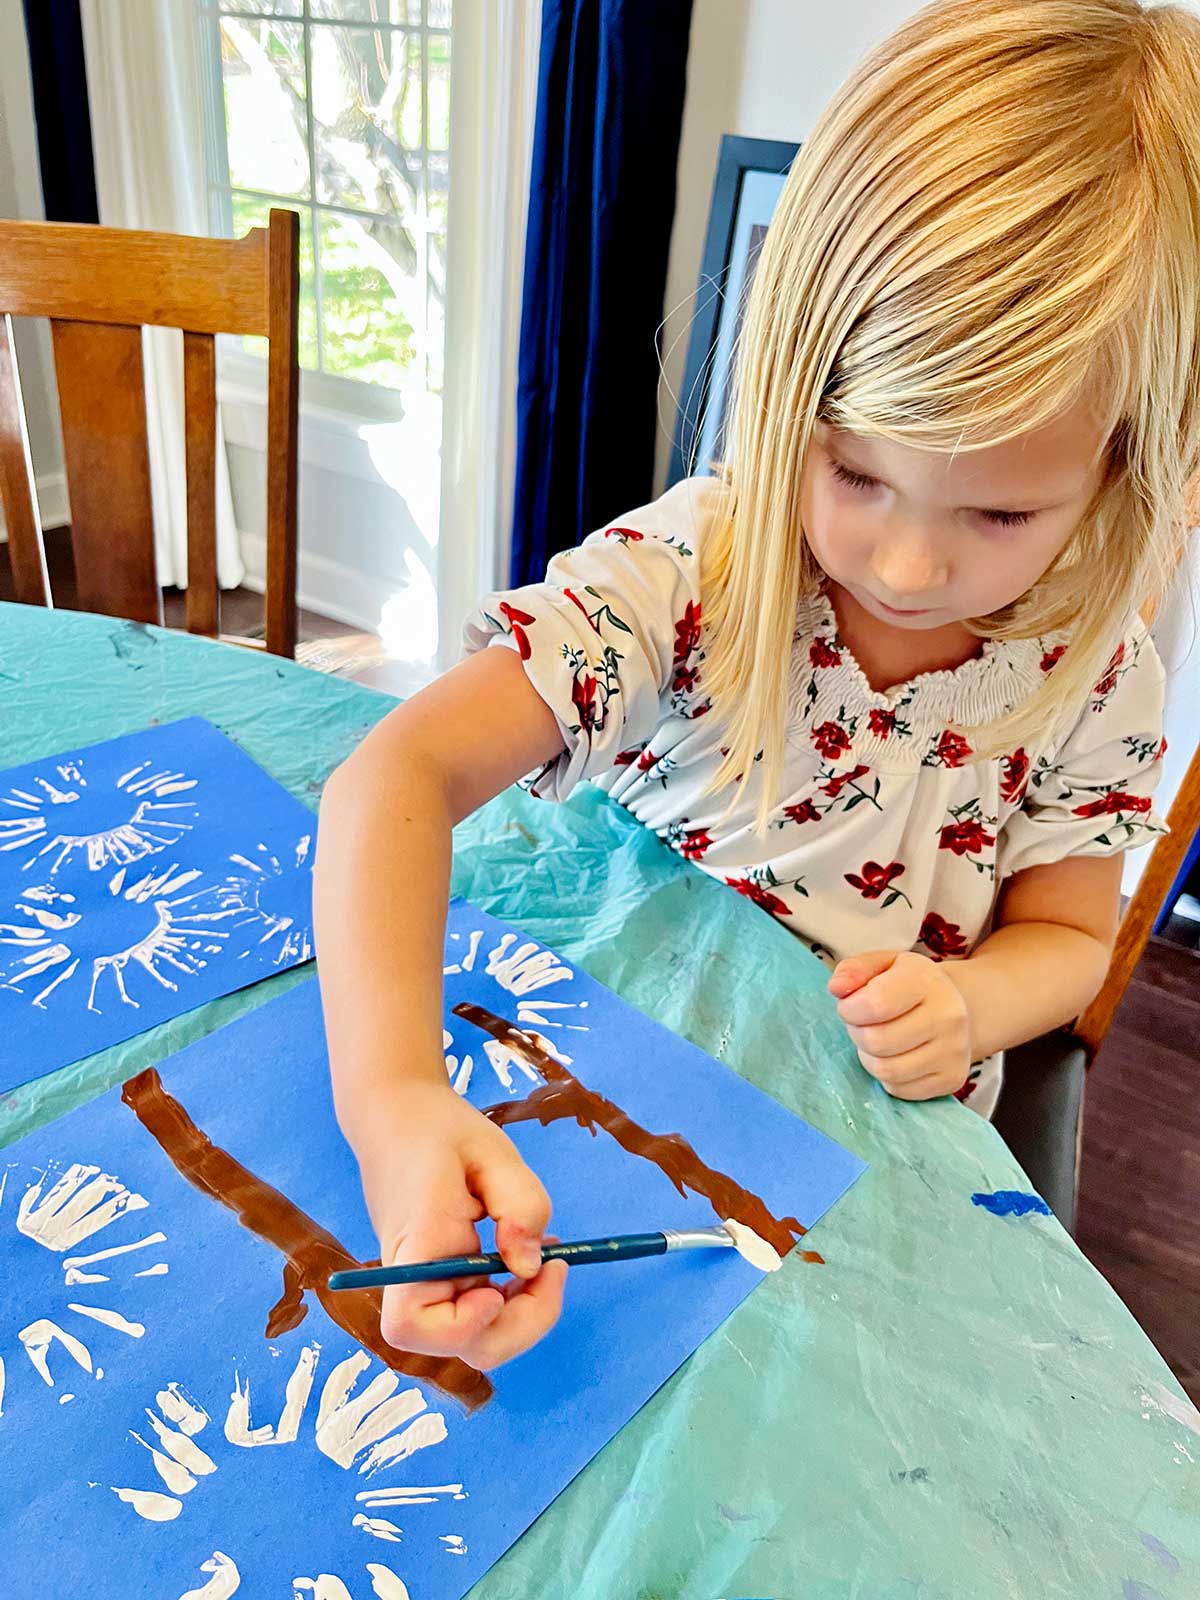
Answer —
897 1037
851 974
527 1315
889 994
931 1087
908 1067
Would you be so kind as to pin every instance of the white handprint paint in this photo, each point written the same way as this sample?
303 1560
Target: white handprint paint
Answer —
226 1580
377 1527
299 1386
525 969
365 1425
80 1203
260 872
385 1585
40 1335
146 820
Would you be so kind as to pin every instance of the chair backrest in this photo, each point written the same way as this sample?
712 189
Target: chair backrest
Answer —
1137 924
99 287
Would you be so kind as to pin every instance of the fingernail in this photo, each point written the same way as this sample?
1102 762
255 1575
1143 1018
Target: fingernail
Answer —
531 1258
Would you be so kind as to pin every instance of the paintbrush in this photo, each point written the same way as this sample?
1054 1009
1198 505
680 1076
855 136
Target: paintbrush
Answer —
577 1252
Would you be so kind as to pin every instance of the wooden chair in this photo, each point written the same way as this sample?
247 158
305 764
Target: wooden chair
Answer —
1040 1110
99 286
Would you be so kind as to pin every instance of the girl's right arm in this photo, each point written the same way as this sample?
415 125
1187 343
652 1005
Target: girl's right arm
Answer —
432 1165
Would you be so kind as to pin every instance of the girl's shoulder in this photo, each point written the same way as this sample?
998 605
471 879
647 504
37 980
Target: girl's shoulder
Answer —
1124 702
681 519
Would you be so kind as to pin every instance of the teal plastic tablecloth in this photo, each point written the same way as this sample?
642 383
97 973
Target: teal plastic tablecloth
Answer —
955 1404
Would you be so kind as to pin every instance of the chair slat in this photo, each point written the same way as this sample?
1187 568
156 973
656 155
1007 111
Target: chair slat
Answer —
200 440
18 495
103 405
1141 913
88 274
282 420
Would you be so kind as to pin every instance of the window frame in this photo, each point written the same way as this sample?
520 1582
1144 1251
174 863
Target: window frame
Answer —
242 375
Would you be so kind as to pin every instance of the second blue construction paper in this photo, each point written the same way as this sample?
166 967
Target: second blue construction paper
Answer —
138 879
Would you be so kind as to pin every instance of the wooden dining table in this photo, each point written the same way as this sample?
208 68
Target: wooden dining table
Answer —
951 1403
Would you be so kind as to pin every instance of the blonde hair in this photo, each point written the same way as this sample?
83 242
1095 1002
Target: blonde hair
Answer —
996 214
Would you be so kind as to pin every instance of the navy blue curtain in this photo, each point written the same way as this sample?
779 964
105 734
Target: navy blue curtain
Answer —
60 105
611 81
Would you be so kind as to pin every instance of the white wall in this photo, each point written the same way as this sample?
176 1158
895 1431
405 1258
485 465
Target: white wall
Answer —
764 69
21 198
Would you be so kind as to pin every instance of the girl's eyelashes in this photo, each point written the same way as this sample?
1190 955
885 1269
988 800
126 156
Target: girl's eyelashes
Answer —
859 480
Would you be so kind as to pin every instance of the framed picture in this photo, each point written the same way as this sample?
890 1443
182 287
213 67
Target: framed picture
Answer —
750 178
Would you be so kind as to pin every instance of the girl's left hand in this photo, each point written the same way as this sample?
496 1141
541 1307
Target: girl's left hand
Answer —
908 1020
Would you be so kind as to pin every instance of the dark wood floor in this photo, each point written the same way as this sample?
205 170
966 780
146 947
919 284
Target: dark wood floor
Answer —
1140 1172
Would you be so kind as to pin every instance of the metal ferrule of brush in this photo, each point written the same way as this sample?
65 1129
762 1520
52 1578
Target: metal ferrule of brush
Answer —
695 1238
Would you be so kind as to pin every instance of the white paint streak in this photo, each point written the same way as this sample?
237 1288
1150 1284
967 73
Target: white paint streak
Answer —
63 1398
183 1448
527 968
377 1527
117 1250
469 959
463 1081
426 1430
386 1584
176 1477
74 1276
455 1544
179 1407
346 1428
39 1336
757 1251
323 1587
1174 1406
295 1397
83 1201
158 1270
154 1507
417 1495
110 1319
225 1581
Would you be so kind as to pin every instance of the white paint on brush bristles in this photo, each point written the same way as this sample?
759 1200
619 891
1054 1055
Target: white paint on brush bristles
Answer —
757 1251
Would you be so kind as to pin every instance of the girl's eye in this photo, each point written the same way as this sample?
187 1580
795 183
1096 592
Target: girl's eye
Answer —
856 480
1001 519
1007 519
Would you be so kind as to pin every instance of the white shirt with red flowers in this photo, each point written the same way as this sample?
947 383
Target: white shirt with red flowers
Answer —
887 832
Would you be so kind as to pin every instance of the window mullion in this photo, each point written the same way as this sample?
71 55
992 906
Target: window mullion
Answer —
315 232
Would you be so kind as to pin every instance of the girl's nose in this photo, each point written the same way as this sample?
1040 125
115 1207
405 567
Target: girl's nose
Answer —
908 567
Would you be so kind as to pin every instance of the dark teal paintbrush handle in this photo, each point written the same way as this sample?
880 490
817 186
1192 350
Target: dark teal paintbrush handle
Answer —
578 1252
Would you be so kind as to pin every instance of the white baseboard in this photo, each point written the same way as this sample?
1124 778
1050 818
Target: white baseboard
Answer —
53 507
328 587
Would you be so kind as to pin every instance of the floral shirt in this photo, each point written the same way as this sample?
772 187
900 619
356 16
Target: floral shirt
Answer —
887 832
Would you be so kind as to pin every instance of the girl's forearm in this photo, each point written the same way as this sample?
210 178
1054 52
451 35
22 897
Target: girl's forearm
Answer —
1026 979
380 892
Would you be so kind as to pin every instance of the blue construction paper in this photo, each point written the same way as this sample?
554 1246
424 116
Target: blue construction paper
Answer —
138 879
264 1516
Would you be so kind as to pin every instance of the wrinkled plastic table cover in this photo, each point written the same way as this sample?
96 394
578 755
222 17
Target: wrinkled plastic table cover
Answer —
954 1404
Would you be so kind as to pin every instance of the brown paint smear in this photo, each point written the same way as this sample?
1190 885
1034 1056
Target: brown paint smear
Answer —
564 1096
310 1253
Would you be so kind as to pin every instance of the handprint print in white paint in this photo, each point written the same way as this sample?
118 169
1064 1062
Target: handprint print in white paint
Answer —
115 823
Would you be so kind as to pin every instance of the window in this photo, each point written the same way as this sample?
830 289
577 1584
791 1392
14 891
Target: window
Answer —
340 110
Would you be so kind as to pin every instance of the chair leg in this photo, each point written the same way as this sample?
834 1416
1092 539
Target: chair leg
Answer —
1040 1116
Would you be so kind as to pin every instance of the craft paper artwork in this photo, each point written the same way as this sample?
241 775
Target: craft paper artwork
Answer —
139 878
184 1398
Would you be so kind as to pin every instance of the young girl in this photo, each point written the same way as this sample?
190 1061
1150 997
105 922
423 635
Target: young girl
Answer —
885 673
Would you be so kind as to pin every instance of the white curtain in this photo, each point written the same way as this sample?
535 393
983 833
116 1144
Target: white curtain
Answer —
491 140
147 130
